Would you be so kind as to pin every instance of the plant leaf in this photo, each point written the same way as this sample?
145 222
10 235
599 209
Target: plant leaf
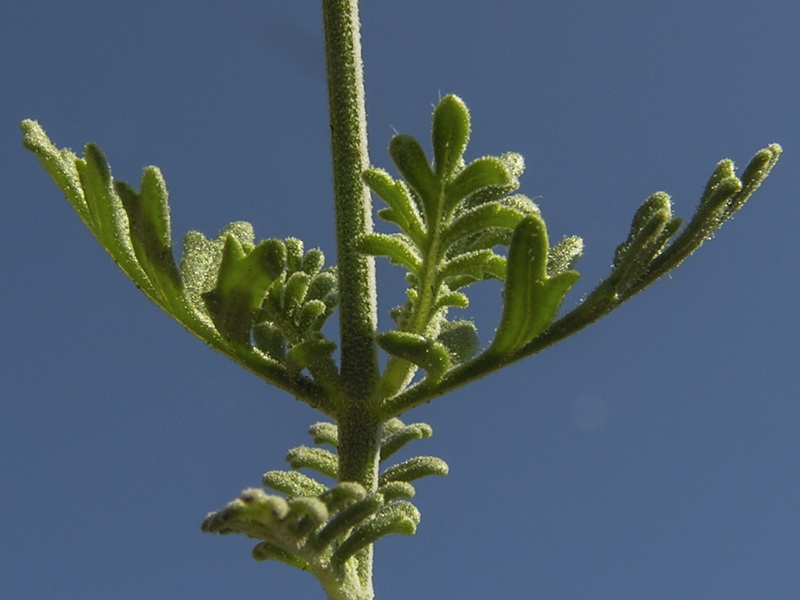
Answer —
450 133
531 299
419 350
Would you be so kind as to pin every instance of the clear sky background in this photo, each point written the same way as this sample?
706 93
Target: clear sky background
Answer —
655 455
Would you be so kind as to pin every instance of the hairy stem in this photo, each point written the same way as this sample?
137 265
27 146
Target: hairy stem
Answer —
358 431
357 296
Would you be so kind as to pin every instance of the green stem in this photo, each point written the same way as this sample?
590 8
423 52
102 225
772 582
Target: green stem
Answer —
348 123
358 429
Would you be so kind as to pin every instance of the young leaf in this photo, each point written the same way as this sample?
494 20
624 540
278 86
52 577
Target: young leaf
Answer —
531 298
414 468
419 350
397 247
269 551
482 173
292 483
399 438
317 459
461 340
242 283
397 517
325 434
403 210
148 217
410 159
450 135
348 518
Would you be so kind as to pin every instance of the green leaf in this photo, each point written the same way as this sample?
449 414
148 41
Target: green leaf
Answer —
447 298
651 229
531 299
294 254
410 159
461 340
294 292
313 352
316 459
148 217
253 513
269 340
480 218
397 247
312 509
292 483
398 517
395 490
325 434
311 316
477 265
400 437
515 165
403 210
450 134
414 468
107 218
348 518
419 350
312 262
269 551
323 287
482 173
242 283
59 164
564 255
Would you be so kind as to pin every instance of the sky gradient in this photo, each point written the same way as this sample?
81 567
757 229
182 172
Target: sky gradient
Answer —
654 455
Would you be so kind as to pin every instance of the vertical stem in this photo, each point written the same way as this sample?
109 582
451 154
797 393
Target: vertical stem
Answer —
348 122
358 429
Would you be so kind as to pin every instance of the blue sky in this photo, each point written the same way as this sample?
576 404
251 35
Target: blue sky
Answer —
654 455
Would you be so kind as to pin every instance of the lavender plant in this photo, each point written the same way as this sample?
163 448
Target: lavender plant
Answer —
264 304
